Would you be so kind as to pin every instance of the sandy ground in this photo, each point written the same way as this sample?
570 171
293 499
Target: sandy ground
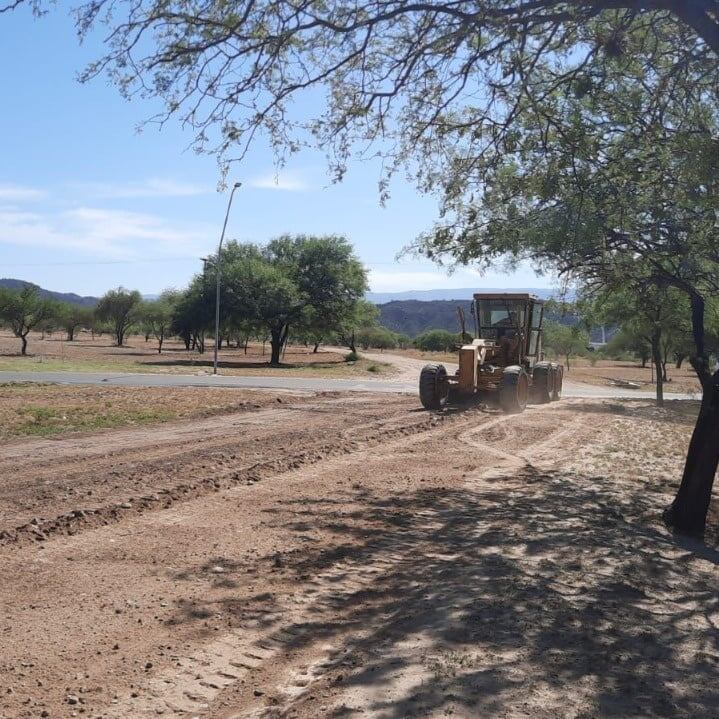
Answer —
338 556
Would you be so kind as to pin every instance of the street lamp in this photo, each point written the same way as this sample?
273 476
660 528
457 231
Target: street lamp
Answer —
217 270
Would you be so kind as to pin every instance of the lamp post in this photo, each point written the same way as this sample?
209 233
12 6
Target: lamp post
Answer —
217 270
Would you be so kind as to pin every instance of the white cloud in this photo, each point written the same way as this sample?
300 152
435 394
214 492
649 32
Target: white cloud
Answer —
152 187
287 181
19 193
100 232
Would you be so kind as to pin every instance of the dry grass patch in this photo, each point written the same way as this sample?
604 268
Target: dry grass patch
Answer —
42 409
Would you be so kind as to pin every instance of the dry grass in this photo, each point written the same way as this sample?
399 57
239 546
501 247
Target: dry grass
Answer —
42 409
99 354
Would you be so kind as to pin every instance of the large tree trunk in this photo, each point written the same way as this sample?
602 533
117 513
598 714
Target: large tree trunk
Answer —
276 336
159 345
70 334
688 512
657 360
23 339
316 348
351 343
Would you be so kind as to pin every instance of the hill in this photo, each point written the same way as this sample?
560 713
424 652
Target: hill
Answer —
71 297
412 317
461 293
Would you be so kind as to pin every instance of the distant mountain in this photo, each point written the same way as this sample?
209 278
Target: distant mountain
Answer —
412 317
70 297
463 293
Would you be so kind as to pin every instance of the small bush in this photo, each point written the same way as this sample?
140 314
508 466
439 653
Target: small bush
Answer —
351 357
436 341
374 368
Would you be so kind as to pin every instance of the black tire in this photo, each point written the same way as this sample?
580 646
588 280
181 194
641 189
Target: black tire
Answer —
514 390
543 377
433 386
558 372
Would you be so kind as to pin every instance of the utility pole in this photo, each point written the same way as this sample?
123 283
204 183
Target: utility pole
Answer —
218 268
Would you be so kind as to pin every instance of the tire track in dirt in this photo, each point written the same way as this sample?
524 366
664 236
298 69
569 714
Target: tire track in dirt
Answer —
272 443
322 668
290 655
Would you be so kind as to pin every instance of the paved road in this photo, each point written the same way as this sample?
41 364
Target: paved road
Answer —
312 384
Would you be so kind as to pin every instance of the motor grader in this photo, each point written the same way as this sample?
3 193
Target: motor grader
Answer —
505 361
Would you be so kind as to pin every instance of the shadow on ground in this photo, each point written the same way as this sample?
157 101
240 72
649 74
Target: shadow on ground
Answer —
540 594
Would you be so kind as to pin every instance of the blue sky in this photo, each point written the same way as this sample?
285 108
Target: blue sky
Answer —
87 202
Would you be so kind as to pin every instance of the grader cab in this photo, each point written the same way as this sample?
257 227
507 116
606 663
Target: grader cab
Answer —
504 361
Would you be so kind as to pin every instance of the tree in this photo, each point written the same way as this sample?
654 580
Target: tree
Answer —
400 71
23 311
312 283
70 317
194 312
626 340
120 308
157 316
263 292
565 340
656 317
363 318
376 337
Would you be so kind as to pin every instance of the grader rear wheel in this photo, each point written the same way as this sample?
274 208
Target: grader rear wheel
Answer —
543 382
514 390
433 386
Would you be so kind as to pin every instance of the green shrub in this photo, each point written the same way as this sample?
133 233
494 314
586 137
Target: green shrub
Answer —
351 357
436 341
376 338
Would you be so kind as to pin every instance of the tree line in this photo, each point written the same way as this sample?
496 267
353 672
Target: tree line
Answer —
303 286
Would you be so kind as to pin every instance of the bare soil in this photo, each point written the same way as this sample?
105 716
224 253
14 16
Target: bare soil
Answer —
99 353
680 380
338 556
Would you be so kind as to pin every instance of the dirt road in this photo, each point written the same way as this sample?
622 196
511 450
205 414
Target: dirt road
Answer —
343 556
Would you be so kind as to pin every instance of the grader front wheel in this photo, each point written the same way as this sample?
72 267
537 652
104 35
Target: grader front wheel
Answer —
514 390
433 386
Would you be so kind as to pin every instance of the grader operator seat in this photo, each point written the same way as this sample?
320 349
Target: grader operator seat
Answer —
502 318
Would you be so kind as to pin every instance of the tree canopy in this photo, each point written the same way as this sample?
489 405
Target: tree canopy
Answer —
120 308
24 310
